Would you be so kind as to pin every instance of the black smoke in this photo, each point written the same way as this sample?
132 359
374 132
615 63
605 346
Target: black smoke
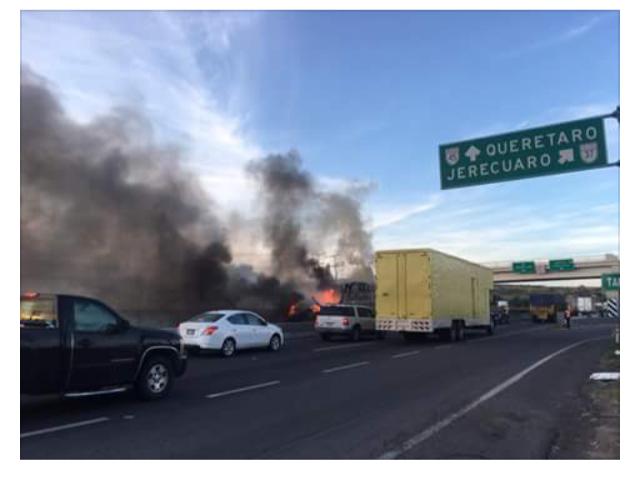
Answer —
298 215
109 212
106 212
285 190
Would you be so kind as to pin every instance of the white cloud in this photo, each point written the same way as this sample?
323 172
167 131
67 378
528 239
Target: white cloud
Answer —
484 226
395 215
152 63
570 33
578 30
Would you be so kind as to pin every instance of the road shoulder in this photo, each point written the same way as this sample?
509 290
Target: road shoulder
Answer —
589 427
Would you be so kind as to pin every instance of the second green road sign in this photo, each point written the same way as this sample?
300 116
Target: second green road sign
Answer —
610 281
554 149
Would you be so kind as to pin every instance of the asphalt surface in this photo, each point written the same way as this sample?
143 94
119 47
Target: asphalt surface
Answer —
487 397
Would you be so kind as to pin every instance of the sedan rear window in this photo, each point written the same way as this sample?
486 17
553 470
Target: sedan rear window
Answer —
337 310
206 317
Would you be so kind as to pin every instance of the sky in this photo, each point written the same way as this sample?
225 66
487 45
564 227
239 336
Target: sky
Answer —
365 98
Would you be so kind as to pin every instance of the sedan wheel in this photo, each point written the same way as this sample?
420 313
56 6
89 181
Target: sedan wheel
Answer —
228 347
275 343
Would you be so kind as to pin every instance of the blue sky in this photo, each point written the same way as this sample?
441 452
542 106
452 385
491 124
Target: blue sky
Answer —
366 98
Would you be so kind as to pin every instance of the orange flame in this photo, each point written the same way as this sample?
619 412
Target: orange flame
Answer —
327 296
322 297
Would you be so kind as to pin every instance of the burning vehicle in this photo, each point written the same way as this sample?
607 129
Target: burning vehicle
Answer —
342 293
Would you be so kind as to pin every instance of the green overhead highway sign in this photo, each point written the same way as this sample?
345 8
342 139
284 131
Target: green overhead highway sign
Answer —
610 281
561 265
524 267
554 149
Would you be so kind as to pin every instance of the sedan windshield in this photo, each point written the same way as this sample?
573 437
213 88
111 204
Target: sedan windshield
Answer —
206 317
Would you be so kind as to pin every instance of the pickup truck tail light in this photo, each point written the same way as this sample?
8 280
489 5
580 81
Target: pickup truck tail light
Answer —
209 330
345 322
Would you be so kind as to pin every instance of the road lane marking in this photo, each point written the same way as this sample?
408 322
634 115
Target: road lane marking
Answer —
63 427
344 367
243 389
345 346
432 430
406 354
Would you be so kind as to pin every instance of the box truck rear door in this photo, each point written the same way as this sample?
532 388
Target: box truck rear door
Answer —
387 297
416 285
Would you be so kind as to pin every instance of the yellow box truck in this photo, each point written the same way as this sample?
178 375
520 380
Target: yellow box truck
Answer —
423 291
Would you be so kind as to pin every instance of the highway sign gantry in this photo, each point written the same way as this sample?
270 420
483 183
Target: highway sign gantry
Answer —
554 149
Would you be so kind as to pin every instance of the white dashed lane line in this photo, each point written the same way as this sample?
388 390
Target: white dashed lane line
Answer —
63 427
344 367
406 354
243 389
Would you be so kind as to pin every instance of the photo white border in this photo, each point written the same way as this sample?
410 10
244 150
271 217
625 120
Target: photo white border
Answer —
10 258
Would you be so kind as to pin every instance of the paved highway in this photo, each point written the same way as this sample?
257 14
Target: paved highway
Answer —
489 397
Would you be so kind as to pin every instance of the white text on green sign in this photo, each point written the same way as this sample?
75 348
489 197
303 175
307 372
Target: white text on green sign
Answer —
610 281
554 149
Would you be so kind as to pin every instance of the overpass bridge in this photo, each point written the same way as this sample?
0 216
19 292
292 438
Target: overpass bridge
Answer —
582 267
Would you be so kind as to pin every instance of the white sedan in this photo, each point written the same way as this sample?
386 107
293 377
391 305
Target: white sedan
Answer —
230 330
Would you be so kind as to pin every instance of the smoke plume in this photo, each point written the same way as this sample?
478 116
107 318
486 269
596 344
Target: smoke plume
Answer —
298 215
108 212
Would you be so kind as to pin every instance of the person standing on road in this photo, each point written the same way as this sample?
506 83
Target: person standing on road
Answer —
567 317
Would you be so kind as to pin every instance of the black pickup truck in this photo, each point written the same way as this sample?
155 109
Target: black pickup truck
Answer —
75 346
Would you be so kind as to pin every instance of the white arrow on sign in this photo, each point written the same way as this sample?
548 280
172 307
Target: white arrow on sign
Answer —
472 152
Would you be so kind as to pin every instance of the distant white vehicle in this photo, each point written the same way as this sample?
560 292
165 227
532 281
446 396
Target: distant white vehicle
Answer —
584 305
229 330
503 304
349 320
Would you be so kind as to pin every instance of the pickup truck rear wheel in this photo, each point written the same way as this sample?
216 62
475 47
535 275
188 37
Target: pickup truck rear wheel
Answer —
155 379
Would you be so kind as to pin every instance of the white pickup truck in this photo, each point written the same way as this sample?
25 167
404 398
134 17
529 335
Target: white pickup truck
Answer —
349 320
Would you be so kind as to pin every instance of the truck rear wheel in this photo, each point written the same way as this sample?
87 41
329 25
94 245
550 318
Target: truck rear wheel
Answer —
155 379
461 331
449 334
